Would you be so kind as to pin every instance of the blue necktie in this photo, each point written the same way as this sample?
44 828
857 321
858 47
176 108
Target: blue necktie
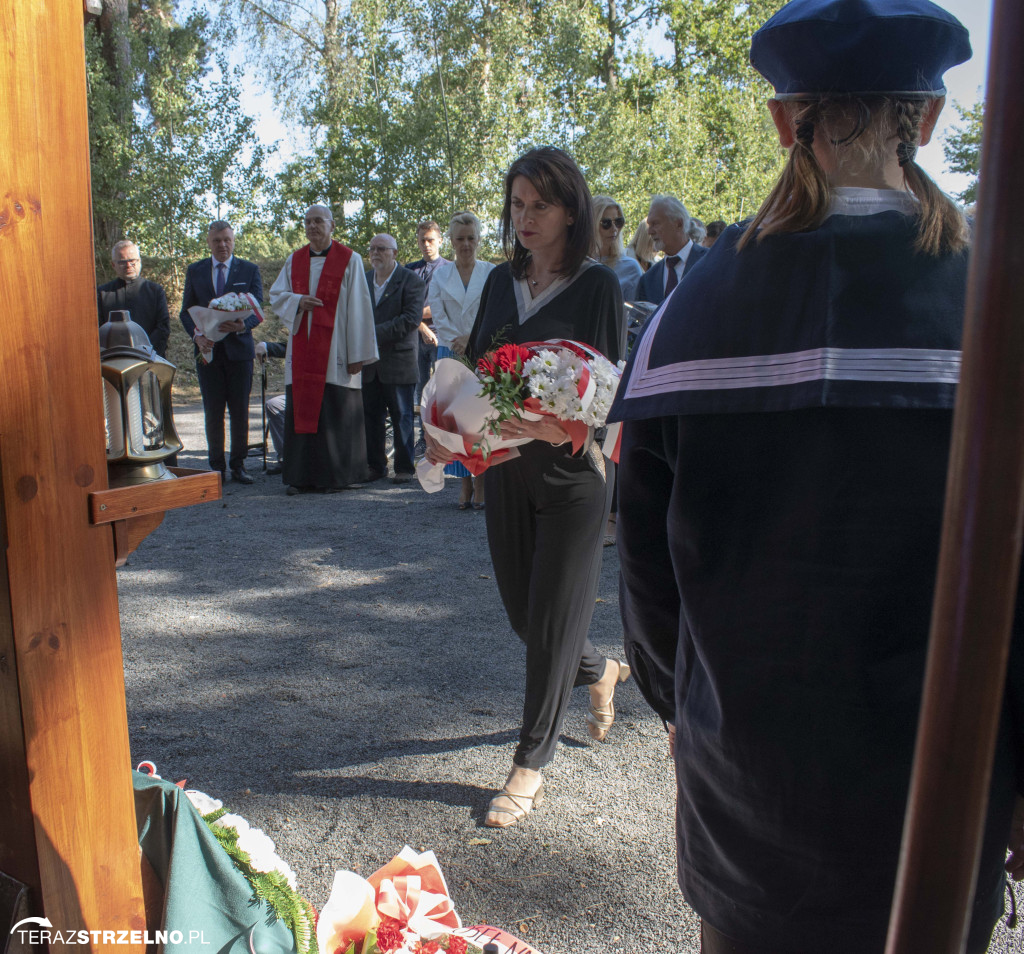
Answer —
221 267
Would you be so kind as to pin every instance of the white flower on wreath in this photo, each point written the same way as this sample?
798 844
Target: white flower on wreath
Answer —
260 849
237 822
203 803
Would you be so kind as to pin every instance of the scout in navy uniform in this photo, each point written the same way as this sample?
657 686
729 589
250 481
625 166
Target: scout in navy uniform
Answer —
787 426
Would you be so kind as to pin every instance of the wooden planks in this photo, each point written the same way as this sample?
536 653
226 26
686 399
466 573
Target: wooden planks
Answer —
981 543
120 503
62 612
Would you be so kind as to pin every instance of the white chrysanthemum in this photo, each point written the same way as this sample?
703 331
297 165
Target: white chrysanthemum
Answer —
233 821
260 849
203 803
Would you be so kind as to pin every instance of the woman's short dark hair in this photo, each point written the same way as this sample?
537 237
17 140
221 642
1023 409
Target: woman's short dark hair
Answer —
558 180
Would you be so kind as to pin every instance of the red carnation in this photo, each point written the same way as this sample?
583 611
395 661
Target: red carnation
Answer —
457 945
389 935
431 947
509 357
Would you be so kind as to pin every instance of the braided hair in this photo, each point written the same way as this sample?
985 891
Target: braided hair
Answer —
860 131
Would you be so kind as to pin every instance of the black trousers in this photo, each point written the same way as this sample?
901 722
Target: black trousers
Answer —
225 384
546 512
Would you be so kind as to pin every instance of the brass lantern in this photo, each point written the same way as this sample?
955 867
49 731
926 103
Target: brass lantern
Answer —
136 404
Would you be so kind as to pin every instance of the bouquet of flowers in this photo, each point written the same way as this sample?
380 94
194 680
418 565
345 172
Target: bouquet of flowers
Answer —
226 308
463 409
402 908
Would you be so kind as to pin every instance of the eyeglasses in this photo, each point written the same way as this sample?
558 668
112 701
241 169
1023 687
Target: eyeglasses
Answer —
382 248
618 222
126 261
316 221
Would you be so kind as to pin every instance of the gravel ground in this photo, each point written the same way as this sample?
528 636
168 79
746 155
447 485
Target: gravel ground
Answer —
338 669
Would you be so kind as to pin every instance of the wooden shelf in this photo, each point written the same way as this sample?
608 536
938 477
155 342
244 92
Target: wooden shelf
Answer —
121 503
135 512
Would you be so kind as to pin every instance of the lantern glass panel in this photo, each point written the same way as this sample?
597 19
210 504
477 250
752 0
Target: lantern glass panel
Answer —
145 414
112 421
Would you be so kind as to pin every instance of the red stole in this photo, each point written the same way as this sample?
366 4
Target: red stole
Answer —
311 350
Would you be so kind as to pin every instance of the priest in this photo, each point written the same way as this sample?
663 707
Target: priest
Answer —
322 298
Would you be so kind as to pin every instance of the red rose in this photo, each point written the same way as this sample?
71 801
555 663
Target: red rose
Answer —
457 945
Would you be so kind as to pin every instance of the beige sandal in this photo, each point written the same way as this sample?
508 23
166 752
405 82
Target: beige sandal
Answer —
517 812
601 718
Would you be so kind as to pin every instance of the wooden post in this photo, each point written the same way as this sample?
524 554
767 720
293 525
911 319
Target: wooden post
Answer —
68 826
981 542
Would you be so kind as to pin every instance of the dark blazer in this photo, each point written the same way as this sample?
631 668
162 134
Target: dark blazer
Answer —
397 316
651 286
243 278
147 303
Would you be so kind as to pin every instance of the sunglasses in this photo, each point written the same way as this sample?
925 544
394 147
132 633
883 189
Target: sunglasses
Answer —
618 222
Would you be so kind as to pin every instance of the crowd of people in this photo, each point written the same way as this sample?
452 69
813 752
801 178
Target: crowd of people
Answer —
786 419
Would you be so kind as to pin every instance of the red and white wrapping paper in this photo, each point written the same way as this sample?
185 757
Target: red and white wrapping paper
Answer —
455 414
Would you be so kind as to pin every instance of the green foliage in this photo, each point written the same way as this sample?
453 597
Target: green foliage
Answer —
962 147
417 107
169 148
271 888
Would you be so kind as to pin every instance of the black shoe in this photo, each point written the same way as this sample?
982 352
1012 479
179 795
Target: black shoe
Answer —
403 478
295 491
241 476
374 475
274 469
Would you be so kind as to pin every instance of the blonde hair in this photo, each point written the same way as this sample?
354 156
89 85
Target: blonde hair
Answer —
600 203
642 245
861 132
463 218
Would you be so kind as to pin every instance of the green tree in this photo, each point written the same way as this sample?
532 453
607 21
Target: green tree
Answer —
962 147
170 149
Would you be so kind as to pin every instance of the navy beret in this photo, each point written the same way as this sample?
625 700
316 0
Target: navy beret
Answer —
813 48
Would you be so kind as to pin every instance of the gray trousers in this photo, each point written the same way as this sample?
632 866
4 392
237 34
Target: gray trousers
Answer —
275 421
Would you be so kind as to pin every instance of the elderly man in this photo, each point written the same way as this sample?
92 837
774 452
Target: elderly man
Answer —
389 387
322 299
129 292
668 223
225 377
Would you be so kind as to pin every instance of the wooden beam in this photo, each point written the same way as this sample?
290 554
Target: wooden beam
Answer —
981 541
63 613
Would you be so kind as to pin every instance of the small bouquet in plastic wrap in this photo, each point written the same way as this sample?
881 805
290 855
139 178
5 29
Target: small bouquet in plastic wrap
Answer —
230 307
462 409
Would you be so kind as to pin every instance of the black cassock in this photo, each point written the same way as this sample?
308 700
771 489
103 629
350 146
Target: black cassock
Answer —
787 426
546 509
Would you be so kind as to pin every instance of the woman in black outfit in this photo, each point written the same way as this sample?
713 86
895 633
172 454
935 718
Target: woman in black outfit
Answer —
546 509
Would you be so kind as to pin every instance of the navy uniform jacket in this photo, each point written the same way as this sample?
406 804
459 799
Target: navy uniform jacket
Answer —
243 278
787 424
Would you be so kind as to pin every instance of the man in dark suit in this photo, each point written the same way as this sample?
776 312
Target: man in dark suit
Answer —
389 386
225 378
129 292
668 223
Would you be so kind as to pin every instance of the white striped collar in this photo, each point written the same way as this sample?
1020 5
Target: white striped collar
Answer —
528 307
849 200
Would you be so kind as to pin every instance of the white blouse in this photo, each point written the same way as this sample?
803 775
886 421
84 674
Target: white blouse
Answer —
453 307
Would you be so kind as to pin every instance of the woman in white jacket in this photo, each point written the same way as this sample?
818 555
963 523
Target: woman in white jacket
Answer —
454 298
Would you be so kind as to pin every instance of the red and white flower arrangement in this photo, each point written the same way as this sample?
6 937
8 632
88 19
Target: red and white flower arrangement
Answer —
463 408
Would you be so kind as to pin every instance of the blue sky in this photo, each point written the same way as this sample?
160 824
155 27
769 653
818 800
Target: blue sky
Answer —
965 84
